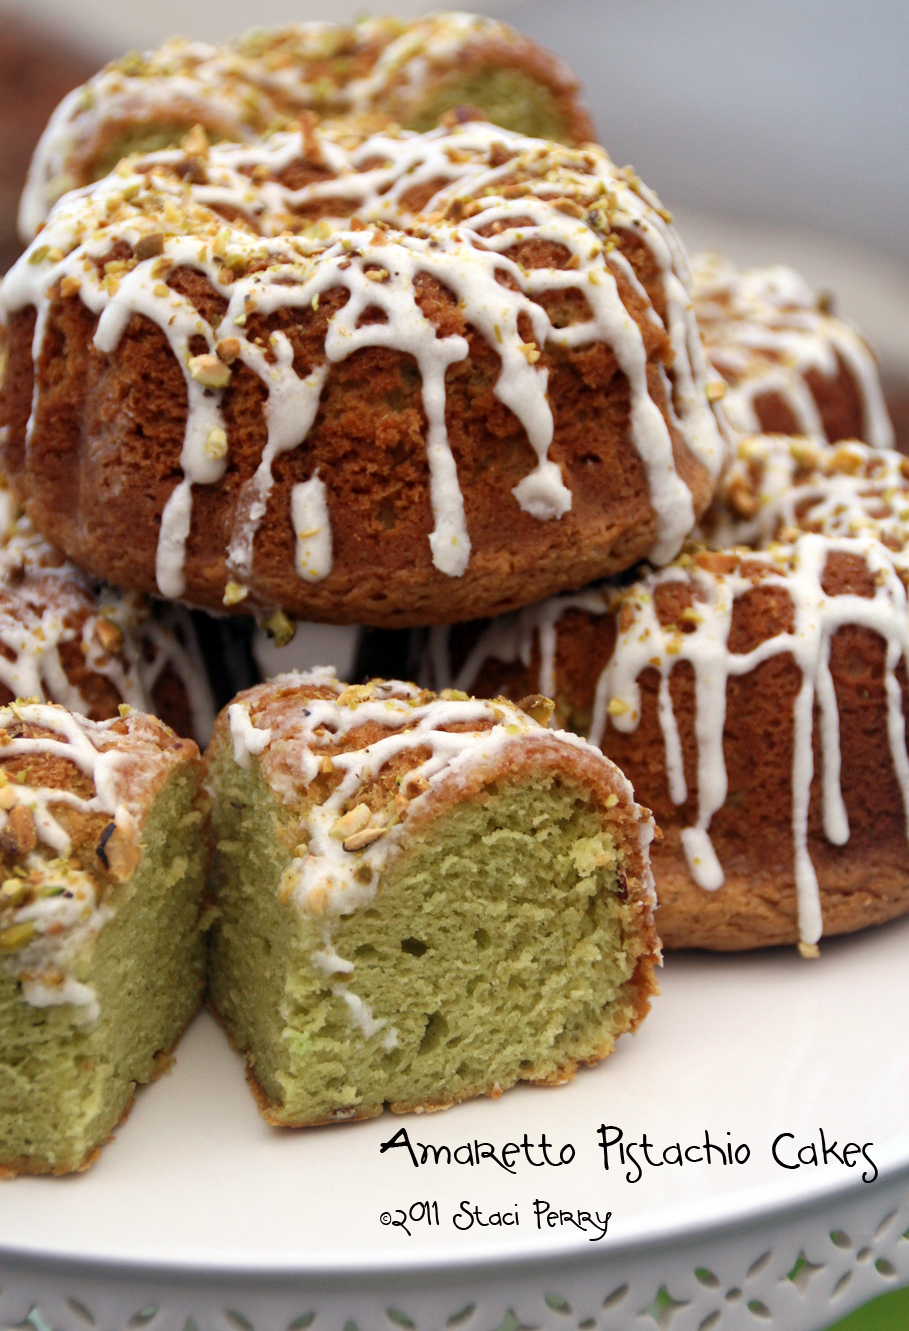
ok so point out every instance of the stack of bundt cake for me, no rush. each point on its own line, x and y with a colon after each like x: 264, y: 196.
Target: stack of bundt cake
x: 431, y: 362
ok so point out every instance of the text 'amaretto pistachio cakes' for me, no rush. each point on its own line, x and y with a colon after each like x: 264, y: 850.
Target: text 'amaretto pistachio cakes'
x: 419, y: 898
x: 101, y: 956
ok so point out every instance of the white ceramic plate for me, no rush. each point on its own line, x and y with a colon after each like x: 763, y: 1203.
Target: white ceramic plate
x: 744, y: 1047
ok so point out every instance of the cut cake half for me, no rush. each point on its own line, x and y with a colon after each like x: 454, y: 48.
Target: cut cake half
x: 419, y: 899
x: 101, y: 954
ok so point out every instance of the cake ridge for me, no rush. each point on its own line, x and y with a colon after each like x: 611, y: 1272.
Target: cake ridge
x: 816, y: 505
x: 494, y: 189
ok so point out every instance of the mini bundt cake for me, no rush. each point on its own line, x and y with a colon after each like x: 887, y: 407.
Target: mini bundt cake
x: 486, y: 388
x: 91, y: 648
x: 791, y: 365
x: 419, y: 899
x: 755, y: 698
x: 388, y: 69
x: 101, y: 955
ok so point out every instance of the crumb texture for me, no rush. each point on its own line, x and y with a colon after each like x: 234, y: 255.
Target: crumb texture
x: 508, y: 937
x: 101, y: 955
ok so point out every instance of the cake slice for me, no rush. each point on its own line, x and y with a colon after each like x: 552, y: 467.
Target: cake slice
x: 101, y: 954
x: 419, y: 898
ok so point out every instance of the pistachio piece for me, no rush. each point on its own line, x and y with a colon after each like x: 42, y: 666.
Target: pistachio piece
x: 350, y: 823
x: 364, y: 838
x: 228, y: 349
x: 109, y: 635
x: 149, y: 247
x: 209, y: 371
x: 118, y: 852
x: 354, y: 694
x: 216, y: 443
x: 539, y: 707
x: 195, y: 143
x: 13, y: 891
x: 234, y: 593
x: 19, y: 835
x: 280, y: 628
x: 16, y: 936
x: 741, y: 498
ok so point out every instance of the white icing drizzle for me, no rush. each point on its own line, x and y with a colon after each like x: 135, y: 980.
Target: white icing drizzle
x: 362, y: 1018
x: 47, y: 603
x: 59, y: 991
x: 332, y: 873
x: 240, y: 89
x: 312, y: 524
x: 289, y: 413
x: 485, y: 178
x: 857, y: 498
x: 247, y: 738
x: 764, y: 331
x: 41, y: 939
x: 777, y: 485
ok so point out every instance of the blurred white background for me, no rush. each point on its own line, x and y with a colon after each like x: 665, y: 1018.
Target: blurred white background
x: 775, y: 129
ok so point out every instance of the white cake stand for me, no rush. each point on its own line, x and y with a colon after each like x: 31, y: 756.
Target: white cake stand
x: 200, y: 1216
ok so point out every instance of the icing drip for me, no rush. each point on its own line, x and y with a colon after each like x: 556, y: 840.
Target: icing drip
x: 312, y: 524
x: 289, y: 413
x: 246, y: 737
x: 493, y: 190
x: 861, y: 491
x: 361, y: 1016
x: 765, y: 331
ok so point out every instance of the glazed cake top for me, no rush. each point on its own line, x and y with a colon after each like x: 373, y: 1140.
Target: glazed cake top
x: 451, y: 204
x: 365, y: 760
x: 261, y: 80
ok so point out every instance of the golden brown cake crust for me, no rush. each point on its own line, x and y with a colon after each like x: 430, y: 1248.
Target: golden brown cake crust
x: 426, y: 511
x: 719, y: 650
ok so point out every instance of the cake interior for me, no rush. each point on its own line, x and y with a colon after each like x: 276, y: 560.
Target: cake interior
x: 64, y: 1085
x: 498, y: 949
x: 510, y: 97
